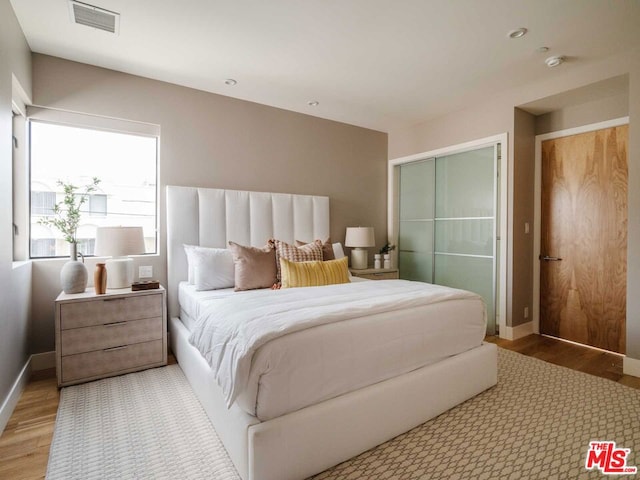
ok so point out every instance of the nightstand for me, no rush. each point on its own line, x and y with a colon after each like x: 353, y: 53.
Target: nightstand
x: 101, y: 336
x: 376, y: 273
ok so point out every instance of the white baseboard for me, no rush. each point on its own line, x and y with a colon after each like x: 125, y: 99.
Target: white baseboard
x: 43, y: 361
x: 14, y: 395
x: 37, y: 361
x: 631, y: 366
x: 519, y: 331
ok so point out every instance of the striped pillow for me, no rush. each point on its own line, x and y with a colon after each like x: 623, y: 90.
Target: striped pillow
x: 313, y: 274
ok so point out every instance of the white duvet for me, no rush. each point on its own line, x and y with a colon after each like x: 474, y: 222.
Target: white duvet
x: 231, y: 329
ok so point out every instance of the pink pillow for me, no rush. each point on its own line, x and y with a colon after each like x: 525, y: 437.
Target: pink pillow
x: 254, y: 267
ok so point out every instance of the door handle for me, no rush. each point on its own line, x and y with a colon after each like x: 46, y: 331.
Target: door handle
x: 547, y: 258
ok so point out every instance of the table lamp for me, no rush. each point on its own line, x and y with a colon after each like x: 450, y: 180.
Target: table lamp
x: 360, y: 238
x: 118, y: 243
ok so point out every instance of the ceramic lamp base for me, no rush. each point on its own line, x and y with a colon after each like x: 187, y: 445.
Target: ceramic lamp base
x: 359, y: 258
x: 119, y: 272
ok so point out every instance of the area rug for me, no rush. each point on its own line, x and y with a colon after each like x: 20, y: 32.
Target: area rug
x: 537, y: 423
x: 145, y: 425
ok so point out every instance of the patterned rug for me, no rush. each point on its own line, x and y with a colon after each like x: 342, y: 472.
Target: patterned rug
x: 535, y: 424
x: 145, y: 425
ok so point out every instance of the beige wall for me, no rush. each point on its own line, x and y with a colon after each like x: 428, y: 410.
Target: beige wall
x: 210, y: 140
x: 497, y: 115
x: 15, y: 283
x: 523, y: 190
x: 595, y: 111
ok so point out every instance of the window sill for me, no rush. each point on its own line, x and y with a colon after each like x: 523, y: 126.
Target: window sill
x: 88, y: 259
x: 16, y: 264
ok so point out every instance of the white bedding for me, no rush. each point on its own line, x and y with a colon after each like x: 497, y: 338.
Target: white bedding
x: 390, y: 333
x: 193, y: 302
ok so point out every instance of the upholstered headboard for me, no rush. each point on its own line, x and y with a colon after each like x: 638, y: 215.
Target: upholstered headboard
x: 211, y: 217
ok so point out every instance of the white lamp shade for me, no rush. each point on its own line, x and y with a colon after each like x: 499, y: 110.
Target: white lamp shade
x: 119, y: 241
x: 359, y: 237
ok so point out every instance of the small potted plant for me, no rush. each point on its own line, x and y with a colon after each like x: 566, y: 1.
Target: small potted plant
x: 66, y: 218
x: 384, y: 251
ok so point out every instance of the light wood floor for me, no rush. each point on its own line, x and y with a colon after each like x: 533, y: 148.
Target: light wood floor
x: 24, y: 445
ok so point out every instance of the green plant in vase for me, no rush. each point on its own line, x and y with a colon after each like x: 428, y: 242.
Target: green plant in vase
x: 387, y: 248
x: 67, y: 213
x: 386, y: 253
x: 66, y: 219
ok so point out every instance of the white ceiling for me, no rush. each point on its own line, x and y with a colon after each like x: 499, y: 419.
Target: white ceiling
x: 380, y: 64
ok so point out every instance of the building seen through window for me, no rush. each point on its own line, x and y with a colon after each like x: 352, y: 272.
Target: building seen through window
x: 126, y: 165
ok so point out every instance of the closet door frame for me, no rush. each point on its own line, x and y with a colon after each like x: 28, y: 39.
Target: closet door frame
x: 393, y: 203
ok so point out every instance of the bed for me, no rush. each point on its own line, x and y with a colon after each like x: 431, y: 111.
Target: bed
x: 373, y: 375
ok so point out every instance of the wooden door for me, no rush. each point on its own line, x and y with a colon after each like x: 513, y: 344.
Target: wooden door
x: 584, y: 223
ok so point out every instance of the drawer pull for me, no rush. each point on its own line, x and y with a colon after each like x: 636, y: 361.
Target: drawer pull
x: 114, y: 324
x: 121, y: 347
x: 113, y: 299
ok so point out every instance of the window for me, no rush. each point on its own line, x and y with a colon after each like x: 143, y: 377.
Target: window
x: 42, y: 203
x: 125, y: 164
x: 98, y: 205
x: 43, y: 247
x: 86, y: 246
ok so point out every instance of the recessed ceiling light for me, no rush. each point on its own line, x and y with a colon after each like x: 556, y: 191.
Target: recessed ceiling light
x: 313, y: 103
x: 554, y: 61
x: 519, y: 32
x: 230, y: 81
x: 542, y: 49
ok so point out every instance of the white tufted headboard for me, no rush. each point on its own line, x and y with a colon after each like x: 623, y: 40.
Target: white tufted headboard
x: 211, y: 217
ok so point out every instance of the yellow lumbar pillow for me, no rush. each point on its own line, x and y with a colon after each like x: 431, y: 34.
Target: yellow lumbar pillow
x: 313, y: 274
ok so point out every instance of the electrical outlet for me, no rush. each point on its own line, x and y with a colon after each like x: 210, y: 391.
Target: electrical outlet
x: 526, y: 312
x: 145, y: 272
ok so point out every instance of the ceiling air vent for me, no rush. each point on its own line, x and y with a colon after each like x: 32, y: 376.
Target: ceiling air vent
x: 95, y: 17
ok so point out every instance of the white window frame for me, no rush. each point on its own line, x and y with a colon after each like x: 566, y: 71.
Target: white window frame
x: 93, y: 122
x: 19, y: 172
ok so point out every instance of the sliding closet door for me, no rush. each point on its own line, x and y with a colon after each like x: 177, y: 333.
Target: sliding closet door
x: 415, y: 235
x: 465, y: 224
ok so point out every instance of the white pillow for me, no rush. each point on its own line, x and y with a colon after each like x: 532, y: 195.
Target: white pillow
x: 338, y: 252
x: 188, y: 250
x: 210, y: 268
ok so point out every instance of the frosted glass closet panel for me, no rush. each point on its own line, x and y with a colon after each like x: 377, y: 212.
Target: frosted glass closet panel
x: 465, y: 240
x: 415, y: 238
x: 465, y: 184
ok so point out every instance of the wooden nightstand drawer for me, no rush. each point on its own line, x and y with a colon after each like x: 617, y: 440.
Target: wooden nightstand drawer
x: 109, y: 310
x: 88, y: 339
x: 381, y: 276
x: 113, y: 361
x: 376, y: 273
